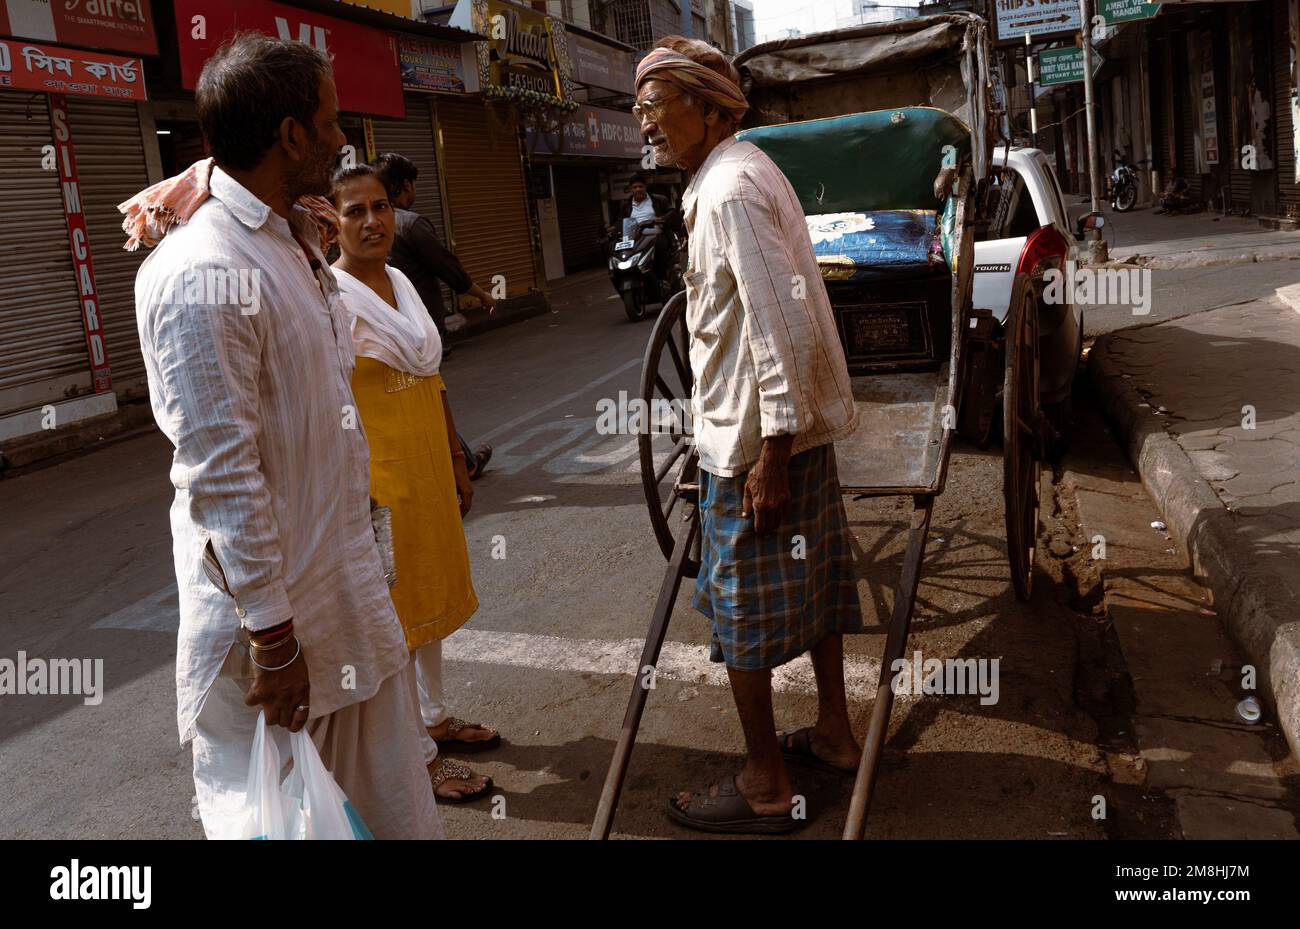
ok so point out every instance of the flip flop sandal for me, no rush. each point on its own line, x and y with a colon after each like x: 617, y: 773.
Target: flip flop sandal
x: 466, y: 746
x: 482, y: 455
x: 449, y: 768
x: 797, y: 747
x: 729, y: 811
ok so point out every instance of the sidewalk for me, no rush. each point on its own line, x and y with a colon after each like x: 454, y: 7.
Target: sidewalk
x: 135, y: 418
x: 1194, y: 240
x: 1181, y: 395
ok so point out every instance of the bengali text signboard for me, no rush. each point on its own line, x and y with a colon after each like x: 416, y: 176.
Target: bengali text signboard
x: 28, y: 66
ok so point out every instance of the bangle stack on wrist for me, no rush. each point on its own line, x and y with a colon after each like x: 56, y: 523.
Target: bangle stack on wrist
x: 296, y: 652
x: 275, y: 637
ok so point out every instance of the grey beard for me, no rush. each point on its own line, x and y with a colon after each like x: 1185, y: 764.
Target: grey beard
x: 665, y: 156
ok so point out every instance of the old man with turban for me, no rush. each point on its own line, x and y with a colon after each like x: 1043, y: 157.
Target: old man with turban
x: 772, y: 394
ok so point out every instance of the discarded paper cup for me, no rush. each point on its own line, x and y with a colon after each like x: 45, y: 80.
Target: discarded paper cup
x: 1249, y: 710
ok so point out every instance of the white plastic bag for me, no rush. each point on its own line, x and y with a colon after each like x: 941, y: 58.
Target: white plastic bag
x: 308, y: 805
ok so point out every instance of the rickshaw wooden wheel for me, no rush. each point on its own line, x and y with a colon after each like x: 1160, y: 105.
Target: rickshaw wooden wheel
x: 666, y: 391
x: 1022, y: 434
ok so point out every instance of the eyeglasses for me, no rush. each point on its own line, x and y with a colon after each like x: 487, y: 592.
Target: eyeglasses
x: 652, y: 108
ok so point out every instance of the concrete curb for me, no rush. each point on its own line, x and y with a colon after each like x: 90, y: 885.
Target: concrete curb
x: 1246, y: 599
x: 1193, y: 260
x: 1290, y: 295
x: 130, y: 419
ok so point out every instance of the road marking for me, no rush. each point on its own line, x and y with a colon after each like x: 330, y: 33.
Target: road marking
x: 506, y: 427
x: 677, y: 662
x: 158, y: 612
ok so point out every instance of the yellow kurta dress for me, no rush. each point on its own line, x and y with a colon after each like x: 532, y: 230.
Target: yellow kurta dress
x: 411, y: 473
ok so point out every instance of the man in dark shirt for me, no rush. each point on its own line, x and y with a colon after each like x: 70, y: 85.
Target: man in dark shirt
x: 419, y: 255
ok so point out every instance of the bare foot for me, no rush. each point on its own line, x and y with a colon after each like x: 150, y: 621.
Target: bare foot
x: 839, y: 749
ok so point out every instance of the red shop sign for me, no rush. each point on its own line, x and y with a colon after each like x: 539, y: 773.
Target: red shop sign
x: 121, y: 25
x: 365, y: 60
x: 79, y: 242
x: 28, y: 66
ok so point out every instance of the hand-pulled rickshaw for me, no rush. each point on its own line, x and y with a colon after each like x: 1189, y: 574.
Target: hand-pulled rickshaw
x: 886, y: 134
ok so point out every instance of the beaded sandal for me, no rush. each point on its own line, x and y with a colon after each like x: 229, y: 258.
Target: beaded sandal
x: 447, y: 769
x: 467, y: 746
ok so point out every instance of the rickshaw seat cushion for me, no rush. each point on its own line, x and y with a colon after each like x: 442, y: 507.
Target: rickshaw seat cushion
x: 865, y: 162
x: 860, y: 246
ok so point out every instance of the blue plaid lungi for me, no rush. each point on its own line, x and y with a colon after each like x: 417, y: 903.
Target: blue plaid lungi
x: 768, y: 606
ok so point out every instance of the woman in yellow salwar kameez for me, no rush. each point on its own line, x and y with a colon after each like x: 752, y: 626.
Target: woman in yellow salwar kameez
x: 417, y: 467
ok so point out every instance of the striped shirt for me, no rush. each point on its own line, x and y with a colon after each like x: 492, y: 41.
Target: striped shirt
x: 765, y: 352
x: 249, y: 357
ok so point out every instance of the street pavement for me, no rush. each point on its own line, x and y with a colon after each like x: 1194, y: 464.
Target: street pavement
x: 85, y: 570
x: 1209, y: 403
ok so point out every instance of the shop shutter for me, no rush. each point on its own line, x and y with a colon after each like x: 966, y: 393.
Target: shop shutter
x: 577, y: 191
x: 43, y: 355
x: 1190, y: 117
x: 1288, y: 190
x: 415, y: 138
x: 490, y: 229
x: 111, y: 165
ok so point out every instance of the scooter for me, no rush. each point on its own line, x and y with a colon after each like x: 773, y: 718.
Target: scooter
x: 1123, y: 185
x: 632, y: 267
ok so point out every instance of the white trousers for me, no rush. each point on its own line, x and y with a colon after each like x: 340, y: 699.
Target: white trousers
x: 372, y: 748
x: 428, y: 680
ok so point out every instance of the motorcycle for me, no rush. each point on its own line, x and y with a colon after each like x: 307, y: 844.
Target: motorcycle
x: 632, y: 270
x: 1123, y: 185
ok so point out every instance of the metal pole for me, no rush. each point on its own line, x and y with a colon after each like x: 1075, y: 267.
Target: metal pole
x: 654, y: 643
x: 1033, y: 109
x: 1097, y: 247
x: 873, y: 746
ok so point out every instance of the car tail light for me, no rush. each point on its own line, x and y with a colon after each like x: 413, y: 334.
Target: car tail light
x: 1045, y: 249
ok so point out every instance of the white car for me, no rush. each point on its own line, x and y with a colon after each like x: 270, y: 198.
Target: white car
x: 1029, y: 231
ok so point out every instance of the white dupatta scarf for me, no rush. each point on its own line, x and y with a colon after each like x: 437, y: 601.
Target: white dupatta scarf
x: 405, y: 339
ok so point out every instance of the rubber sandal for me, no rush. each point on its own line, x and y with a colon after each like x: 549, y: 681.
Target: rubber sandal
x: 729, y: 812
x: 449, y: 768
x: 481, y: 458
x: 466, y: 746
x: 796, y: 746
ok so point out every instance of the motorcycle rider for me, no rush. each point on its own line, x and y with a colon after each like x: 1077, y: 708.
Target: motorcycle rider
x: 643, y: 206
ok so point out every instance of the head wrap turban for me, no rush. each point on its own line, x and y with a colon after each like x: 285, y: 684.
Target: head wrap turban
x: 702, y: 82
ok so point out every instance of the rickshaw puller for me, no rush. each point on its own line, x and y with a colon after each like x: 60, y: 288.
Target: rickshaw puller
x: 772, y: 393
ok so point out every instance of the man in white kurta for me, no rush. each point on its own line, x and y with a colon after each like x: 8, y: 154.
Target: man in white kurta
x: 271, y: 471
